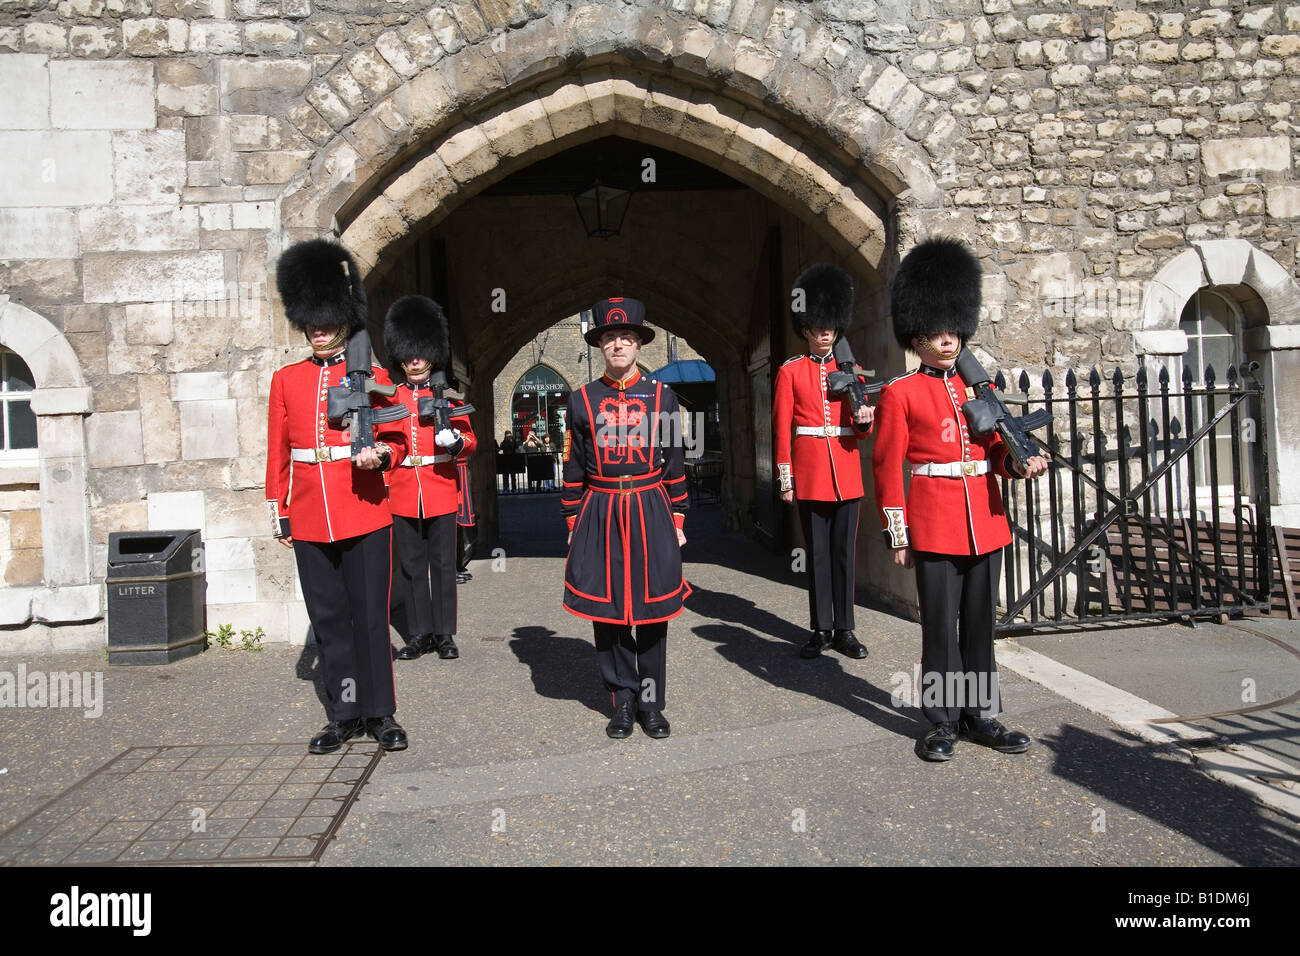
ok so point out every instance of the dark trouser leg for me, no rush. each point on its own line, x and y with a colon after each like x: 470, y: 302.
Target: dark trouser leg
x: 978, y: 613
x: 440, y: 537
x: 652, y: 665
x: 844, y: 543
x: 367, y: 570
x: 816, y: 537
x: 616, y: 655
x: 414, y: 560
x: 466, y: 535
x: 320, y: 572
x: 938, y: 586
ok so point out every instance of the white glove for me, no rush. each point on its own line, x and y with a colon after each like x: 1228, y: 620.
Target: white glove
x: 447, y: 438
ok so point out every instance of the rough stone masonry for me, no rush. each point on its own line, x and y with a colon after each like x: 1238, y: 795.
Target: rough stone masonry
x: 1107, y: 158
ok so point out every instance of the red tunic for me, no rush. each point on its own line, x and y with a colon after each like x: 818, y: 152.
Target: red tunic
x: 333, y: 500
x: 919, y: 420
x: 823, y: 468
x: 426, y: 490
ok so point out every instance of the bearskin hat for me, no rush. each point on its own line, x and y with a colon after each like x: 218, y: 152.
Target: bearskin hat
x: 320, y: 285
x: 827, y: 299
x: 416, y: 328
x: 937, y: 289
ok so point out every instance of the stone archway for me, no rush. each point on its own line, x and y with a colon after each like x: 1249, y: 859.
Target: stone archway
x: 61, y: 402
x: 1275, y: 345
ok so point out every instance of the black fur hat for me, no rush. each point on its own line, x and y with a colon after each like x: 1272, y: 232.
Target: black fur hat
x: 828, y: 299
x: 937, y: 289
x: 320, y: 285
x: 416, y: 328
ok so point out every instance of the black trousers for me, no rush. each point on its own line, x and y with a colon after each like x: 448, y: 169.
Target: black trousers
x: 830, y: 532
x: 426, y: 550
x: 958, y: 595
x: 634, y: 667
x: 346, y: 584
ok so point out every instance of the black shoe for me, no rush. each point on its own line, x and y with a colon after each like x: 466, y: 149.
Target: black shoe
x: 938, y: 742
x: 463, y: 576
x: 445, y: 647
x: 654, y: 723
x: 990, y: 733
x: 847, y: 644
x: 333, y: 735
x: 420, y: 644
x: 620, y: 726
x: 387, y: 731
x: 819, y: 641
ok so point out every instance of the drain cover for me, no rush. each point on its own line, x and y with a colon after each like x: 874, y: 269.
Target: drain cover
x: 227, y: 803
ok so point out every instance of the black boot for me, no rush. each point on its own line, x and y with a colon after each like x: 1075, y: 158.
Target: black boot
x: 333, y: 735
x: 847, y: 644
x: 445, y: 647
x: 420, y: 644
x: 620, y: 725
x: 938, y: 742
x: 819, y: 641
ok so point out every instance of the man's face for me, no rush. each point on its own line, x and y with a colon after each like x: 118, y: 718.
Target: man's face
x: 325, y: 339
x: 417, y: 370
x: 819, y: 339
x: 620, y: 347
x: 939, y: 350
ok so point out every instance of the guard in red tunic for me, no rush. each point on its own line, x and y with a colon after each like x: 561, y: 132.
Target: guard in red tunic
x: 951, y: 526
x: 423, y: 489
x: 817, y: 457
x: 624, y: 500
x: 330, y: 507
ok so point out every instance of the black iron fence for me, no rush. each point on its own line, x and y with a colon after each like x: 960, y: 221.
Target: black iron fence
x: 1156, y: 504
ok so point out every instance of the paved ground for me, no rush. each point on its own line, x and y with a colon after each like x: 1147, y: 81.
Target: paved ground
x: 772, y: 759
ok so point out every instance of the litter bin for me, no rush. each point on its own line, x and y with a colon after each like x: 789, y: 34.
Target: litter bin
x: 156, y: 596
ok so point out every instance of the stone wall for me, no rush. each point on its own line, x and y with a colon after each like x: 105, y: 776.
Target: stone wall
x: 156, y: 155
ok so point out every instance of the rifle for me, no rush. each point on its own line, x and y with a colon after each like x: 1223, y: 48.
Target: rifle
x: 350, y: 402
x: 987, y: 412
x: 436, y: 406
x: 845, y: 380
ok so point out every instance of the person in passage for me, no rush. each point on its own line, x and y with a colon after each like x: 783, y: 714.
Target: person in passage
x: 424, y: 489
x: 624, y: 500
x: 817, y: 460
x: 951, y: 526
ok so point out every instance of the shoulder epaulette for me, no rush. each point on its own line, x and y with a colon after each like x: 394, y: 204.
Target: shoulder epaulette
x: 793, y: 359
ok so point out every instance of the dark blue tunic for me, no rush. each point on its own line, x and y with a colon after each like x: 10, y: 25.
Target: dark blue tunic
x: 624, y: 495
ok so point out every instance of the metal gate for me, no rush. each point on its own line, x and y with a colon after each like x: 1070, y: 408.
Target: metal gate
x: 1156, y: 505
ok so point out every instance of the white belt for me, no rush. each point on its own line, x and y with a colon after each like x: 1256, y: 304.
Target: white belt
x: 952, y: 469
x: 415, y: 461
x: 315, y: 456
x: 823, y: 431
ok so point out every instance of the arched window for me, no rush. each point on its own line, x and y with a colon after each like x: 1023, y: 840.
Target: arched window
x: 538, y: 405
x: 17, y: 421
x: 1213, y: 324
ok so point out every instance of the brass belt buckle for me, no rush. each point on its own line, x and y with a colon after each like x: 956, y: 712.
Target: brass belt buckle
x: 322, y: 454
x: 829, y: 431
x: 968, y: 468
x: 624, y: 484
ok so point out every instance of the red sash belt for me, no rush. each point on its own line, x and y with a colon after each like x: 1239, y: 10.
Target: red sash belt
x: 624, y: 485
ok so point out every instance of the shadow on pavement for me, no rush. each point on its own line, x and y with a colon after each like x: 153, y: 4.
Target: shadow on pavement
x: 562, y: 668
x: 1172, y: 794
x: 308, y: 668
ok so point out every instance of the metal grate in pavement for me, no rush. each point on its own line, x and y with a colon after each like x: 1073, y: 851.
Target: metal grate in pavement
x: 200, y: 804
